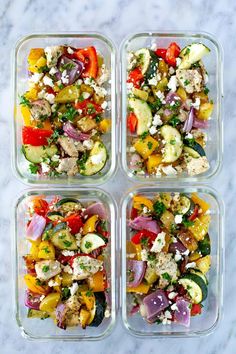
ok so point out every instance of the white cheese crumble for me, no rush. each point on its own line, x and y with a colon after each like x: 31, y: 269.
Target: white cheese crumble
x: 68, y: 253
x: 189, y: 136
x: 131, y: 60
x: 145, y: 210
x: 45, y: 167
x: 67, y: 269
x: 49, y: 97
x: 178, y: 61
x: 196, y: 104
x: 154, y: 46
x: 178, y: 219
x: 159, y: 242
x: 96, y: 159
x: 178, y: 257
x: 144, y: 255
x: 169, y: 170
x: 161, y: 96
x: 48, y: 81
x: 132, y: 149
x: 35, y: 78
x: 53, y: 70
x: 70, y: 50
x: 157, y: 120
x: 174, y: 307
x: 52, y: 283
x: 73, y: 288
x: 153, y: 130
x: 190, y: 265
x: 172, y: 295
x: 171, y: 70
x: 172, y: 84
x: 88, y: 144
x: 85, y: 95
x: 104, y: 105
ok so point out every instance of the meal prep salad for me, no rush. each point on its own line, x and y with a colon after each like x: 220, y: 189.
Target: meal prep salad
x: 65, y: 275
x: 64, y: 111
x: 168, y: 257
x: 168, y: 106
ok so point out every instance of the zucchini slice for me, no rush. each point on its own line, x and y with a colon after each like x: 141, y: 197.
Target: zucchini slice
x: 144, y: 59
x: 195, y: 287
x: 192, y: 54
x: 143, y: 113
x: 200, y: 274
x: 36, y: 154
x: 54, y: 215
x: 91, y: 242
x: 193, y: 148
x: 96, y: 160
x: 182, y: 206
x: 98, y: 311
x: 37, y: 314
x: 64, y: 240
x: 48, y: 231
x: 204, y: 246
x: 173, y: 143
x: 68, y: 204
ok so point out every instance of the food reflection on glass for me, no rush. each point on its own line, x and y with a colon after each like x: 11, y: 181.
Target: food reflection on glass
x: 168, y: 110
x: 168, y: 257
x: 64, y: 111
x: 65, y: 276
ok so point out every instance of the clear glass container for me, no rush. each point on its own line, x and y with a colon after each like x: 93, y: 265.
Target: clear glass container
x: 47, y: 329
x: 107, y: 49
x: 208, y: 320
x: 213, y: 63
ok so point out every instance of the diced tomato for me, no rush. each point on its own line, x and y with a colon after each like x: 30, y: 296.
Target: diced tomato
x: 90, y: 59
x: 50, y: 90
x: 74, y: 222
x: 194, y: 214
x: 132, y: 122
x: 196, y: 309
x: 134, y: 213
x: 172, y: 53
x: 135, y: 77
x: 40, y: 206
x: 143, y: 234
x: 161, y: 52
x: 35, y: 136
x: 89, y: 107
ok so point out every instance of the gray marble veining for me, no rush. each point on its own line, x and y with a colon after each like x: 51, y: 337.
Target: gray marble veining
x: 116, y: 19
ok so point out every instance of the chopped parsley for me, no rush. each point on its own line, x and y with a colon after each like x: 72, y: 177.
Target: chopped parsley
x: 82, y: 160
x: 98, y: 118
x: 159, y: 208
x: 155, y: 106
x: 43, y: 69
x: 174, y: 121
x: 65, y: 294
x: 70, y: 113
x: 67, y: 243
x: 186, y: 82
x: 172, y: 141
x: 187, y: 51
x: 39, y: 282
x: 187, y: 222
x: 104, y: 225
x: 45, y: 268
x: 166, y: 276
x: 150, y: 145
x: 144, y: 241
x: 88, y: 244
x: 67, y: 66
x: 151, y: 257
x: 34, y: 168
x: 60, y: 86
x: 206, y: 90
x: 90, y: 108
x: 46, y: 250
x: 89, y: 293
x: 24, y: 101
x: 174, y: 106
x: 143, y: 136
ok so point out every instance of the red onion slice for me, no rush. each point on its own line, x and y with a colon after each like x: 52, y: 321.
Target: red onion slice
x: 135, y: 162
x: 177, y: 246
x: 188, y: 124
x: 73, y: 133
x: 200, y: 124
x: 61, y: 315
x: 73, y: 69
x: 172, y: 97
x: 135, y: 272
x: 32, y: 300
x: 155, y: 303
x: 182, y: 315
x: 145, y: 222
x: 36, y: 227
x: 96, y: 209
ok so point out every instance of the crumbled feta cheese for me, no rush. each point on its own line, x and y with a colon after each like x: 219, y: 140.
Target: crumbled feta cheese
x: 53, y: 71
x: 178, y: 257
x: 132, y: 149
x: 80, y: 111
x: 157, y: 120
x: 196, y: 104
x: 186, y: 253
x: 190, y: 265
x: 178, y: 219
x: 174, y: 307
x: 168, y: 314
x: 171, y: 70
x: 42, y: 297
x: 104, y: 105
x: 178, y: 61
x: 45, y: 167
x: 49, y: 97
x: 152, y: 81
x: 172, y: 84
x: 172, y: 295
x: 67, y: 269
x: 85, y: 95
x: 64, y: 77
x: 145, y: 210
x: 161, y: 96
x: 52, y: 283
x: 189, y: 136
x: 104, y: 75
x: 107, y: 313
x: 88, y: 144
x: 131, y: 60
x: 73, y: 288
x: 100, y: 91
x: 97, y: 159
x: 79, y: 82
x: 154, y: 46
x: 55, y: 158
x: 159, y: 242
x: 35, y: 78
x: 169, y: 170
x: 144, y: 255
x: 176, y: 197
x: 153, y: 130
x: 70, y: 50
x: 48, y: 81
x: 41, y: 94
x: 205, y: 76
x: 68, y: 253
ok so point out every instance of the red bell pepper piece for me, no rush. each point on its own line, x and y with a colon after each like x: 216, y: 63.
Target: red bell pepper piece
x: 132, y: 122
x: 89, y: 107
x: 135, y: 77
x: 90, y: 59
x: 143, y: 234
x: 161, y: 52
x: 74, y: 222
x: 40, y: 206
x: 194, y: 214
x: 196, y: 309
x: 172, y: 53
x: 134, y: 213
x: 35, y: 136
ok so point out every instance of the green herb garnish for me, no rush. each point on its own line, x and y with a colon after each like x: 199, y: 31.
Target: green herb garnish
x: 166, y: 276
x: 33, y: 168
x: 45, y: 268
x: 159, y: 208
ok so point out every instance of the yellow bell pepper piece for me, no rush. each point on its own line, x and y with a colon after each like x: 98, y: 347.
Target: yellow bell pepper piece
x: 153, y: 162
x: 194, y: 256
x: 84, y: 317
x: 34, y: 55
x: 97, y: 282
x: 205, y: 110
x: 200, y: 227
x: 142, y: 288
x: 202, y: 203
x: 182, y: 93
x: 67, y: 279
x: 57, y: 279
x: 32, y: 94
x: 35, y: 68
x: 49, y: 303
x: 104, y: 126
x: 133, y: 249
x: 140, y: 201
x: 88, y: 299
x: 138, y: 252
x: 46, y: 250
x: 204, y: 264
x: 28, y: 122
x: 90, y: 225
x: 146, y: 146
x: 163, y: 67
x: 34, y: 251
x: 32, y: 284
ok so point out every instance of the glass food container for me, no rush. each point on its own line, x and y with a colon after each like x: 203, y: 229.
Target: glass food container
x: 107, y: 49
x: 213, y: 63
x: 47, y: 329
x: 207, y: 321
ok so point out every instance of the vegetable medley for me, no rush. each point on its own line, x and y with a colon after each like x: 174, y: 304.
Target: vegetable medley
x: 66, y: 279
x: 168, y: 257
x: 168, y: 106
x: 64, y: 111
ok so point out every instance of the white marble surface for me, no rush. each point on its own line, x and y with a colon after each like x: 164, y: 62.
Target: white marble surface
x: 116, y: 19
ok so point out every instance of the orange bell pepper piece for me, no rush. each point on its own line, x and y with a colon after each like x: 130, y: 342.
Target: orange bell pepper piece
x: 97, y: 282
x: 142, y: 288
x: 140, y: 201
x: 202, y: 203
x: 31, y: 283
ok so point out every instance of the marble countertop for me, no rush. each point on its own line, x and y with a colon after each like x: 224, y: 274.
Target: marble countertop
x: 116, y: 19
